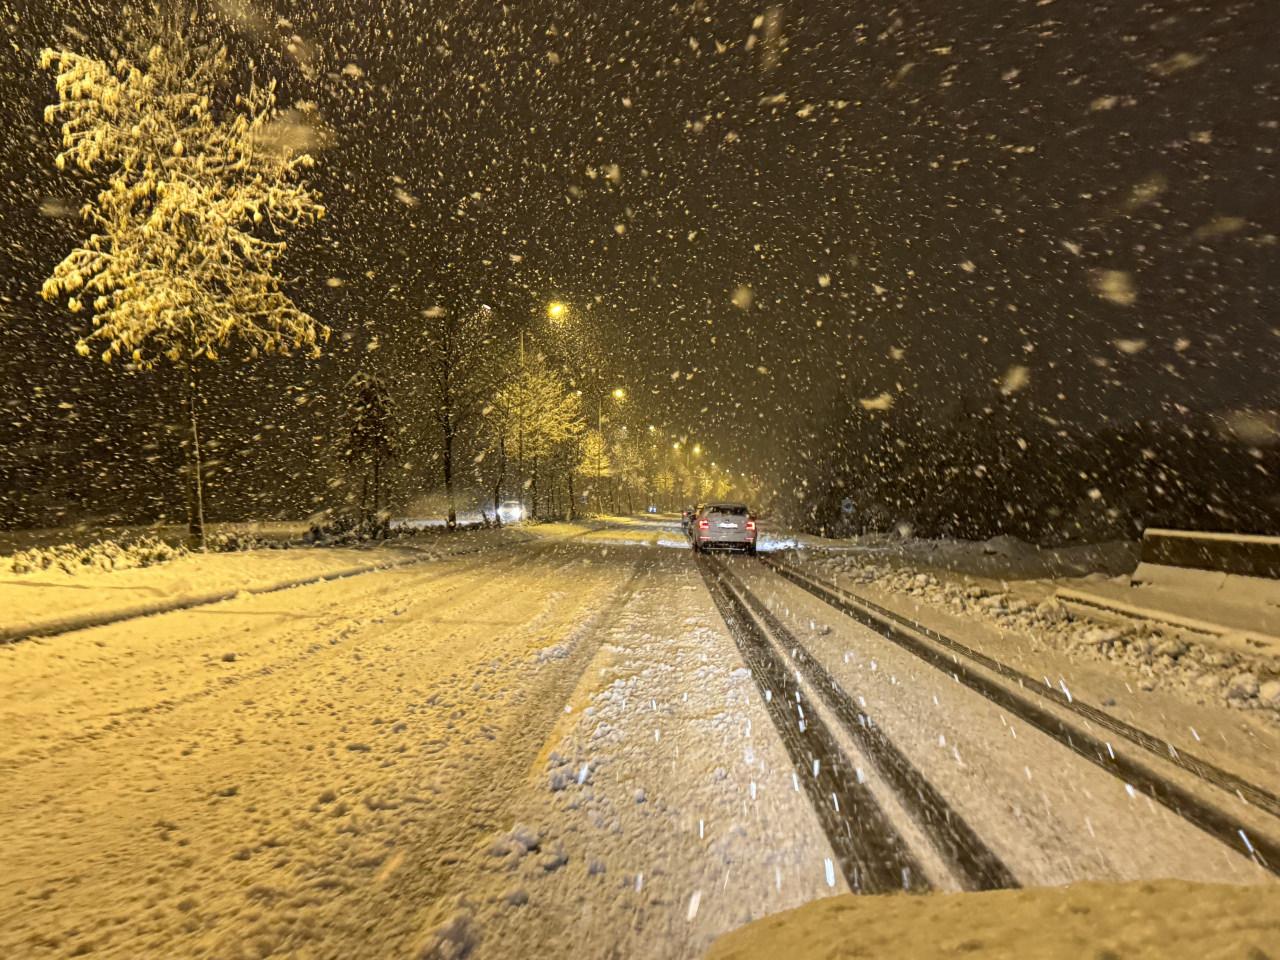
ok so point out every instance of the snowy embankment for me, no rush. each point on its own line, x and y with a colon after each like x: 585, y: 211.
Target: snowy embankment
x: 1000, y: 558
x: 55, y: 599
x: 1164, y: 920
x: 1015, y: 594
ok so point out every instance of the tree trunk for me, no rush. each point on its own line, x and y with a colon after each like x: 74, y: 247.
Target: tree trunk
x: 195, y: 464
x: 497, y: 484
x: 377, y: 488
x: 452, y: 519
x: 533, y: 489
x: 572, y: 504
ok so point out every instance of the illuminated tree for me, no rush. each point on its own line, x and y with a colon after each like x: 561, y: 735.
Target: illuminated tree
x: 535, y: 412
x: 595, y: 463
x: 187, y: 227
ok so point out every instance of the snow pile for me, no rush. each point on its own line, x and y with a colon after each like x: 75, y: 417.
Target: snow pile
x: 1164, y: 920
x: 74, y: 558
x: 1161, y: 655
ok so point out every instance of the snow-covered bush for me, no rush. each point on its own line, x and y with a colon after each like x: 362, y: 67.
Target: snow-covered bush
x: 102, y: 555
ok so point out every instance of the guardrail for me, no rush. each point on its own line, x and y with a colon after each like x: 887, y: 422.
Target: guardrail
x: 1247, y: 555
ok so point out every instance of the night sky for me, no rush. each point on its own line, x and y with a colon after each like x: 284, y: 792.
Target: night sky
x: 775, y: 222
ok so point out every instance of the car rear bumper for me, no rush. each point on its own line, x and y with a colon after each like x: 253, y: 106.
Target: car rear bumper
x: 735, y: 543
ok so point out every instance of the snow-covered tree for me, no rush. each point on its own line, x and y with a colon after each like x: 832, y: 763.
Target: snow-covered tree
x: 533, y: 414
x: 370, y: 440
x: 596, y: 464
x: 664, y: 482
x: 197, y: 190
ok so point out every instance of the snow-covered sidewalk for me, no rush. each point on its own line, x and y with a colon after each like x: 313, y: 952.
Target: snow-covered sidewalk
x: 52, y: 601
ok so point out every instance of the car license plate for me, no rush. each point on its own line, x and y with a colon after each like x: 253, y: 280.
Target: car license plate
x: 731, y: 526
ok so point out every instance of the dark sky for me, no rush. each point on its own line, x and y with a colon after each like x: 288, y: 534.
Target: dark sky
x: 765, y: 215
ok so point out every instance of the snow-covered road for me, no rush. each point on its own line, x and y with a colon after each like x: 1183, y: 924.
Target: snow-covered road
x: 552, y: 745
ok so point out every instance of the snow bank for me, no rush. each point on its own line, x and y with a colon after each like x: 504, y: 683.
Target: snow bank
x: 1001, y: 558
x: 1165, y: 920
x: 1162, y: 655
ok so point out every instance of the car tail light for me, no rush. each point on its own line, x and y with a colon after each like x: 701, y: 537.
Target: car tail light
x: 751, y: 524
x: 704, y: 524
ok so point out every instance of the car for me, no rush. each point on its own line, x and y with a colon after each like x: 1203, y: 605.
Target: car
x: 727, y: 526
x: 652, y: 508
x: 511, y: 511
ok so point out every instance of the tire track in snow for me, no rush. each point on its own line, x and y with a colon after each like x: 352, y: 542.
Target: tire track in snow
x: 905, y: 633
x: 974, y: 863
x: 872, y: 854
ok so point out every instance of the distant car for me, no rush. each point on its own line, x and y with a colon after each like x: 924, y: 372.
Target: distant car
x: 511, y: 511
x: 724, y: 526
x: 652, y: 508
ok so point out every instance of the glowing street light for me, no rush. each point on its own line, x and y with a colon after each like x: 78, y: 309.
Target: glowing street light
x: 556, y: 310
x: 619, y: 393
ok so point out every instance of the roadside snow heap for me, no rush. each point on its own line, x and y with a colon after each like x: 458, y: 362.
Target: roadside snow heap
x: 102, y: 555
x: 1159, y: 654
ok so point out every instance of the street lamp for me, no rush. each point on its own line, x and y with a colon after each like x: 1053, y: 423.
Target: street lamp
x: 556, y: 310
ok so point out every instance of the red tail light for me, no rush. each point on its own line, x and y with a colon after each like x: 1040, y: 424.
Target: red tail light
x: 751, y: 524
x: 704, y: 524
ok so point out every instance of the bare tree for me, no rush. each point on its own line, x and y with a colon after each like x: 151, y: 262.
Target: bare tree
x: 371, y: 441
x: 459, y: 371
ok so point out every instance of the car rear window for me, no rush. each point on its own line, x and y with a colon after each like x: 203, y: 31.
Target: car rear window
x: 728, y: 511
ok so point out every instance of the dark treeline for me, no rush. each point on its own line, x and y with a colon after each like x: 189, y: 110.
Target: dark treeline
x: 978, y: 475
